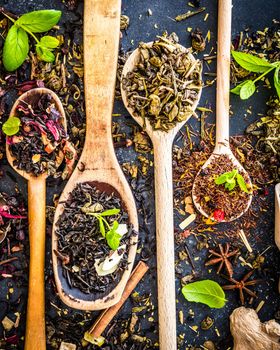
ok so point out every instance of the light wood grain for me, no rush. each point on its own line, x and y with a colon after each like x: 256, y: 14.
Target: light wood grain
x: 98, y: 163
x: 162, y: 143
x: 277, y: 215
x: 35, y: 338
x: 222, y: 98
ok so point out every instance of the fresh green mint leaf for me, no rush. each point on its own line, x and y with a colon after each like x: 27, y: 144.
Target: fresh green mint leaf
x: 11, y: 126
x: 230, y: 184
x: 221, y: 179
x: 250, y: 62
x: 237, y: 88
x: 49, y: 42
x: 247, y: 89
x: 241, y: 183
x: 39, y: 21
x: 110, y: 212
x: 206, y: 292
x: 15, y: 49
x: 113, y: 239
x: 277, y: 80
x: 45, y: 54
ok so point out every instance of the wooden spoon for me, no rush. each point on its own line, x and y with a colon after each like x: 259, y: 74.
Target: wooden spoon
x: 162, y: 142
x: 222, y: 98
x: 98, y: 163
x: 35, y: 337
x: 277, y: 220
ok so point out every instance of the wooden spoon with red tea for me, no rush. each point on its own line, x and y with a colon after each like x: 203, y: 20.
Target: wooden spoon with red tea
x: 162, y: 142
x: 222, y: 147
x: 98, y: 164
x: 35, y: 337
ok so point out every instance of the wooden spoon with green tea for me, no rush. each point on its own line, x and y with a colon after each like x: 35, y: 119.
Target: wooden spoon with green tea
x: 35, y: 337
x: 222, y: 107
x: 162, y: 142
x: 98, y: 164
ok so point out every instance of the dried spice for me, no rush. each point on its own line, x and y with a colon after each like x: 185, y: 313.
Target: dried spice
x: 243, y: 285
x: 38, y: 143
x: 222, y: 258
x: 213, y: 197
x: 81, y: 244
x: 165, y: 84
x: 198, y: 41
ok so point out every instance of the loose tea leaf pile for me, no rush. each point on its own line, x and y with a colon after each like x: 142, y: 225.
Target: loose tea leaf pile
x: 216, y: 200
x: 165, y: 83
x: 36, y: 136
x: 81, y: 241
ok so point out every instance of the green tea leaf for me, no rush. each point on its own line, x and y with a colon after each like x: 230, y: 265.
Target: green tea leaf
x: 241, y: 183
x: 247, y: 89
x: 110, y: 212
x: 11, y: 126
x: 15, y: 49
x: 237, y: 88
x: 39, y: 21
x: 49, y: 42
x: 113, y: 239
x: 250, y: 62
x: 101, y: 227
x: 206, y: 292
x: 277, y: 80
x: 45, y: 54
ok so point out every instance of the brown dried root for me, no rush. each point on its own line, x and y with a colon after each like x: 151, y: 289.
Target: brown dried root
x: 250, y: 334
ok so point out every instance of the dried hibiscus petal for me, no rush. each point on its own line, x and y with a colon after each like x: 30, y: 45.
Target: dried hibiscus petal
x: 219, y: 215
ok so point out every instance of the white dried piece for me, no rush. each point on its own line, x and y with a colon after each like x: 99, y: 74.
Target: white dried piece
x: 187, y: 221
x: 67, y: 346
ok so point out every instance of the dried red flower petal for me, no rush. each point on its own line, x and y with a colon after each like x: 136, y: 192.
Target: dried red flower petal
x: 219, y: 215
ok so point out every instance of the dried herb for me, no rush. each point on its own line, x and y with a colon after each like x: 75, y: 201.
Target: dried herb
x: 40, y: 137
x: 16, y: 45
x: 189, y: 14
x: 257, y: 65
x: 206, y: 292
x: 165, y: 83
x: 216, y: 200
x: 81, y: 239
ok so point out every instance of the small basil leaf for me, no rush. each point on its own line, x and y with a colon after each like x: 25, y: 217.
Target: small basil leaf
x: 11, y: 126
x: 241, y: 183
x: 247, y: 90
x: 113, y: 239
x: 39, y: 21
x: 206, y: 292
x: 44, y: 54
x: 15, y: 49
x: 250, y: 62
x: 237, y: 88
x: 115, y: 225
x: 49, y: 41
x: 277, y: 80
x: 101, y: 227
x: 110, y: 212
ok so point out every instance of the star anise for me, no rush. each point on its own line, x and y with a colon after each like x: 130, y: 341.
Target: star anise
x: 222, y: 257
x: 242, y: 285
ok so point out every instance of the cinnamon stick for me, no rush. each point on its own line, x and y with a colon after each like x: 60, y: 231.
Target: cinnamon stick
x: 108, y: 314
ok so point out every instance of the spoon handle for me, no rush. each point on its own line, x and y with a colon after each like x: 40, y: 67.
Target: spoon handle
x: 277, y: 215
x: 35, y: 338
x: 223, y: 73
x: 165, y: 242
x: 101, y: 42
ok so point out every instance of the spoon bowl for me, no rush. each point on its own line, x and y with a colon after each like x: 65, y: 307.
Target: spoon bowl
x: 222, y: 146
x: 35, y: 337
x: 98, y: 164
x: 162, y: 144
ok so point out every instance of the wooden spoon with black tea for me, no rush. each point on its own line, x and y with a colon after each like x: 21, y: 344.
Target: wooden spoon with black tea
x: 35, y: 337
x: 98, y: 164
